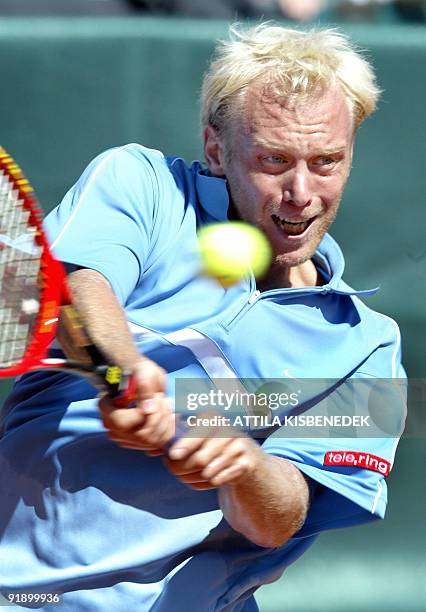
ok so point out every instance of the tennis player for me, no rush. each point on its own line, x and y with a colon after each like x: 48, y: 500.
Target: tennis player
x: 102, y: 505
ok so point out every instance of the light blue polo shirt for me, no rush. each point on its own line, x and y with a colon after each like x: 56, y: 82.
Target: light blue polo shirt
x: 110, y: 527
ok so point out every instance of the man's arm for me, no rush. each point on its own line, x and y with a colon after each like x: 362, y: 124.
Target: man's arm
x: 264, y: 497
x: 270, y: 505
x: 103, y: 317
x: 150, y: 424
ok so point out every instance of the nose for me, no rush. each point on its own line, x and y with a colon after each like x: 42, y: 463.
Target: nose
x: 297, y: 190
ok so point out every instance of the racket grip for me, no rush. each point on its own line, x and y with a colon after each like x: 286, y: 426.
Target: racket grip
x: 126, y: 398
x: 126, y: 395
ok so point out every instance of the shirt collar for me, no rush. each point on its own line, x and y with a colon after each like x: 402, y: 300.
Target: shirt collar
x: 331, y: 263
x: 329, y: 259
x: 212, y: 193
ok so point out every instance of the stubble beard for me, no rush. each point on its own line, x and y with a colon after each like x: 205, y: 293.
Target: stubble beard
x: 287, y: 259
x: 291, y: 260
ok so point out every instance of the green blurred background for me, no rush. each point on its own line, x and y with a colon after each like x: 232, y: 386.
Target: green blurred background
x: 72, y: 87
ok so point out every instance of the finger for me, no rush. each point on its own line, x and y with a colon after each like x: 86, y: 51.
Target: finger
x: 201, y: 486
x: 130, y: 420
x: 226, y: 457
x: 202, y: 456
x: 196, y: 462
x: 149, y: 452
x: 155, y: 452
x: 129, y: 446
x: 120, y: 419
x: 177, y: 468
x: 153, y: 436
x: 184, y: 447
x: 191, y: 478
x: 196, y: 481
x: 158, y: 403
x: 229, y: 475
x: 149, y: 378
x: 130, y: 442
x: 187, y: 445
x: 157, y: 431
x: 158, y: 412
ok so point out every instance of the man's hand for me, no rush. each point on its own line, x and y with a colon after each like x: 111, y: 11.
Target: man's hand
x: 263, y: 497
x: 213, y: 457
x: 150, y: 424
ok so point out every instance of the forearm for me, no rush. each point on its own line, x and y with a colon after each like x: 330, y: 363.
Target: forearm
x: 147, y: 425
x: 270, y: 505
x: 103, y: 317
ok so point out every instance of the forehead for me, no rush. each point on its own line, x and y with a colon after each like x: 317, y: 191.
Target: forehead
x: 322, y: 117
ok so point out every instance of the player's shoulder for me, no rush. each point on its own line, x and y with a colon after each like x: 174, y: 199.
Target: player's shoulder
x: 368, y: 313
x: 330, y: 259
x: 376, y: 323
x: 125, y: 160
x: 132, y: 167
x: 129, y: 157
x: 377, y: 333
x: 137, y: 161
x: 369, y: 316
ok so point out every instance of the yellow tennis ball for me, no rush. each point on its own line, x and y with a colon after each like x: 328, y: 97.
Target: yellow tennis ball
x: 230, y: 250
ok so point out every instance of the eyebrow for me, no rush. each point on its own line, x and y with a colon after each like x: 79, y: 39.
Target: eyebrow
x: 277, y: 146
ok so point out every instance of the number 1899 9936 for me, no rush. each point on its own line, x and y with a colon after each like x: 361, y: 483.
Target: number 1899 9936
x: 28, y: 597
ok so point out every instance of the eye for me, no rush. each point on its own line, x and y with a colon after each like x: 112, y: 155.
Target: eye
x: 325, y: 161
x: 275, y: 159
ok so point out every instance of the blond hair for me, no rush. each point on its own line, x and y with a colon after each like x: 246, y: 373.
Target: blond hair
x: 291, y: 63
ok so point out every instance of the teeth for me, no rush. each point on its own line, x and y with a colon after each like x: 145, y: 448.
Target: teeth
x: 290, y: 227
x: 284, y: 221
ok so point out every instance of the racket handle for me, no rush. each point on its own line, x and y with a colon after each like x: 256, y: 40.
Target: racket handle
x: 125, y: 396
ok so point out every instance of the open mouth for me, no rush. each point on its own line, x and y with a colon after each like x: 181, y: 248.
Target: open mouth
x: 292, y: 228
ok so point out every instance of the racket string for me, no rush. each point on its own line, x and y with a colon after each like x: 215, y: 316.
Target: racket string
x: 20, y: 257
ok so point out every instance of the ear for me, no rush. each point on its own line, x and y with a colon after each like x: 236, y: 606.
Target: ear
x: 351, y: 154
x: 213, y: 151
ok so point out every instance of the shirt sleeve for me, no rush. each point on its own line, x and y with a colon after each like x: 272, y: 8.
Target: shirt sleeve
x: 347, y: 474
x: 105, y: 222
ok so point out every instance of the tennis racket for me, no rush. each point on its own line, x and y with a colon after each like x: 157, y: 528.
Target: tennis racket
x: 34, y: 295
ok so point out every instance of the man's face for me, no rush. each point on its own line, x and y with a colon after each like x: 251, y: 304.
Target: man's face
x: 286, y: 167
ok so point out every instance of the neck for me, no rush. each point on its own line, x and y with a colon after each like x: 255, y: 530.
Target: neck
x: 303, y: 275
